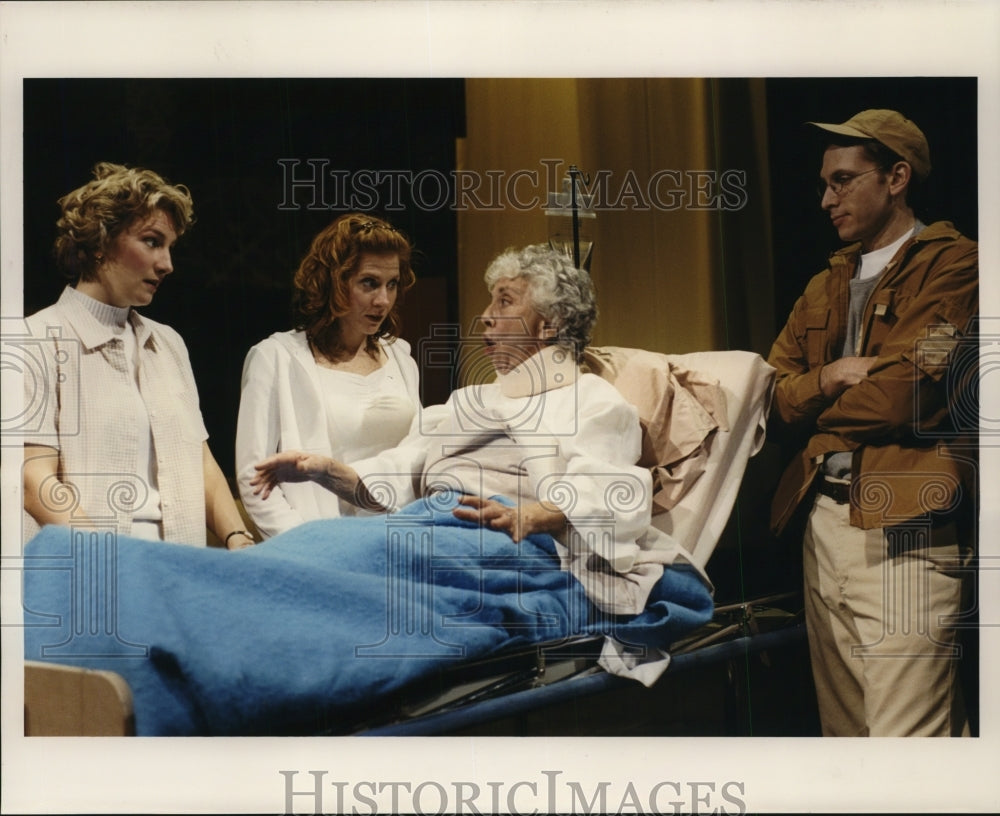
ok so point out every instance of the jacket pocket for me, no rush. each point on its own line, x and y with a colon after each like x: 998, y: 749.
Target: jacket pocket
x: 881, y: 315
x: 817, y: 326
x: 934, y: 351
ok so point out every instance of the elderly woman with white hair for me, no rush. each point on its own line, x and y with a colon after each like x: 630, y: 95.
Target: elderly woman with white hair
x: 545, y: 448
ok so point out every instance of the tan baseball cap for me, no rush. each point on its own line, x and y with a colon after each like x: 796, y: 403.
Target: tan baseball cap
x: 893, y: 130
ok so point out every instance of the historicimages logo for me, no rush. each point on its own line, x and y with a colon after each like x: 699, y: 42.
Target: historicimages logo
x: 32, y: 366
x: 548, y: 793
x: 312, y: 184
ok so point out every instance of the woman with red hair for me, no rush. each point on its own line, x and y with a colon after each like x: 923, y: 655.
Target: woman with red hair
x: 341, y: 383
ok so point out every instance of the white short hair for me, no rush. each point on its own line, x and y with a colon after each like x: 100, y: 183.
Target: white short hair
x: 560, y: 292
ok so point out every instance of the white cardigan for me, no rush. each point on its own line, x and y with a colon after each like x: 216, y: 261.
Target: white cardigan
x: 282, y: 408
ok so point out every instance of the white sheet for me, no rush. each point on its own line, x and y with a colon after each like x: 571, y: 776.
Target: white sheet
x: 748, y: 382
x: 700, y: 517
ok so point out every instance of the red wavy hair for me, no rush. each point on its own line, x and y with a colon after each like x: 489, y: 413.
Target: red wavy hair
x: 321, y: 294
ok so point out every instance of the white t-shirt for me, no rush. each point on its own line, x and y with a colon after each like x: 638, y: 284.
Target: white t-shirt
x: 872, y: 263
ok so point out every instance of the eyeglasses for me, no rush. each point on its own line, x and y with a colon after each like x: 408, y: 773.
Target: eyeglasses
x: 841, y: 183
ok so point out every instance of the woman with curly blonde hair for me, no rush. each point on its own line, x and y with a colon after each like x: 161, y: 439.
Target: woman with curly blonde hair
x: 341, y: 383
x: 118, y: 439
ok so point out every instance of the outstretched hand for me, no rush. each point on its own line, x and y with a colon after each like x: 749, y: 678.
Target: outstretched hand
x: 518, y: 522
x: 288, y: 466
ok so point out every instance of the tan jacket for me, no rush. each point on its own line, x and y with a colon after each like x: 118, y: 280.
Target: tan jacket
x: 909, y: 424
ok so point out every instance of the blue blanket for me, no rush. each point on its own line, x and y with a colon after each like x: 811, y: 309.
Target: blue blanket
x: 306, y: 631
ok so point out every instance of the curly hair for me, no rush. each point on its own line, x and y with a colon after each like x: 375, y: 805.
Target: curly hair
x: 562, y: 294
x: 94, y: 215
x: 321, y: 286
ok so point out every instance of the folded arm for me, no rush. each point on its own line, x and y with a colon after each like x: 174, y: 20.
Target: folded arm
x: 904, y: 384
x: 908, y: 389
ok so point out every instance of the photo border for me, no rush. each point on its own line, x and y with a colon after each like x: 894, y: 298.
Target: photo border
x: 481, y: 39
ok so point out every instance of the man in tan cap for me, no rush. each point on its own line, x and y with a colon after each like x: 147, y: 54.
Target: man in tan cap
x: 868, y: 389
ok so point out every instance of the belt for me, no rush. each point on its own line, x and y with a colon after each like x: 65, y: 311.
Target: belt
x: 840, y: 492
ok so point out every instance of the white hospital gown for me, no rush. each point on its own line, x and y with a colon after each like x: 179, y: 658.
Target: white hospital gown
x: 563, y: 437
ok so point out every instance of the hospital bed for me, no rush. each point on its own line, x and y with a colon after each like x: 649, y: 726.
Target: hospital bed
x: 68, y: 694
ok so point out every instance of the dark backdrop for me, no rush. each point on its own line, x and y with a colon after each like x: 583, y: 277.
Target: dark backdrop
x: 943, y: 107
x: 224, y: 138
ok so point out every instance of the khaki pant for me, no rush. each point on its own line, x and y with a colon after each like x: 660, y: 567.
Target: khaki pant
x: 878, y: 606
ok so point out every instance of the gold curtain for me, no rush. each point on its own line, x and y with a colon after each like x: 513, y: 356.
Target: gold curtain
x: 682, y: 258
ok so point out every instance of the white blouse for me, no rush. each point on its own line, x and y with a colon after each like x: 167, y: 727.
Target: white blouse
x: 287, y: 402
x: 363, y: 411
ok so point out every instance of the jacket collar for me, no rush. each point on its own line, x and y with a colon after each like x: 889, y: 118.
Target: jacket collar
x: 846, y: 258
x: 938, y: 231
x: 296, y: 343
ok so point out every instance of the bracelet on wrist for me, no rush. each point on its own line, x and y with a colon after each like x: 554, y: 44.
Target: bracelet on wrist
x: 237, y: 532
